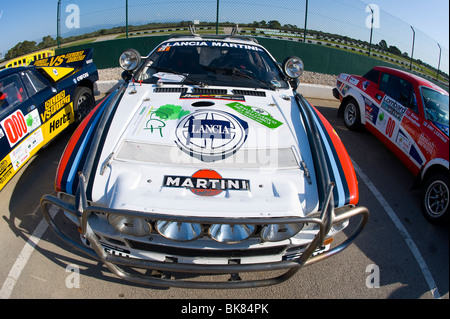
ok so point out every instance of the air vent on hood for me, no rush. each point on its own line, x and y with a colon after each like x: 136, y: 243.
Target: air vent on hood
x: 170, y: 90
x: 249, y: 92
x: 208, y: 91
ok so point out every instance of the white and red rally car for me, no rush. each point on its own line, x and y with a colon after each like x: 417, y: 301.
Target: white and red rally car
x: 411, y: 116
x: 206, y: 161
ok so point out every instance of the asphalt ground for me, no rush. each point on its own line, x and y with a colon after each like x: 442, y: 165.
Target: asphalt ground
x: 399, y: 255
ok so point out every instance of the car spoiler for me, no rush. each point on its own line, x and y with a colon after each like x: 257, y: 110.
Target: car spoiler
x: 60, y: 66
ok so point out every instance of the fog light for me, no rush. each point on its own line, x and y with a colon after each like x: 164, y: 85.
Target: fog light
x: 293, y: 67
x: 130, y: 225
x: 278, y: 232
x: 229, y: 234
x: 130, y: 60
x: 178, y: 231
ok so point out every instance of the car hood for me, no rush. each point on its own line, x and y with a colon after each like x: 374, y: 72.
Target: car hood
x: 209, y: 152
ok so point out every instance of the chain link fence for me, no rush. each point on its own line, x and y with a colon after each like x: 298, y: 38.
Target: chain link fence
x: 345, y: 24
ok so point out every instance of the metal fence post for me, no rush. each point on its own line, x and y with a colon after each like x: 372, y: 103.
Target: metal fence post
x: 217, y: 18
x: 126, y: 17
x: 306, y: 21
x: 439, y: 63
x: 58, y: 23
x: 371, y: 29
x: 412, y: 51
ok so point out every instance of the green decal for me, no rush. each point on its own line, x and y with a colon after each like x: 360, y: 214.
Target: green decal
x: 256, y: 114
x: 171, y: 112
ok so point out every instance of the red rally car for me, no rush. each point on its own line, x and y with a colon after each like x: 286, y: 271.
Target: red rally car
x: 410, y: 115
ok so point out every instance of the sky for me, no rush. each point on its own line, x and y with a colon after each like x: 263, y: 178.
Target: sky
x: 31, y: 20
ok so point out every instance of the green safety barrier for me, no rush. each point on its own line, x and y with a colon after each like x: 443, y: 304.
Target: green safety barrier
x: 316, y: 58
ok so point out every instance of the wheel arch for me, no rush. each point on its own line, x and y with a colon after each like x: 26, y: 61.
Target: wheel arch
x: 353, y: 94
x: 435, y: 166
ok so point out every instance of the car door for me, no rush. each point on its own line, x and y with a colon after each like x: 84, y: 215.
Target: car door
x: 397, y: 119
x: 18, y: 118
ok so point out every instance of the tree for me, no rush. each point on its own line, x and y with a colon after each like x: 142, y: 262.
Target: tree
x: 394, y: 50
x: 274, y: 24
x: 383, y: 45
x: 21, y: 48
x: 47, y: 42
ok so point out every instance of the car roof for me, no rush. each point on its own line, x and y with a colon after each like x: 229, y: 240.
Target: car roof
x: 414, y: 79
x: 225, y: 38
x: 8, y: 71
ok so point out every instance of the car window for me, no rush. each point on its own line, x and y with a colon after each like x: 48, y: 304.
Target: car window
x: 436, y: 106
x: 225, y: 64
x: 399, y: 89
x: 372, y: 75
x: 11, y: 92
x: 32, y: 82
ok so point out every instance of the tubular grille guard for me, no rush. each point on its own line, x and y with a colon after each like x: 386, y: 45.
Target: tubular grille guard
x: 81, y: 210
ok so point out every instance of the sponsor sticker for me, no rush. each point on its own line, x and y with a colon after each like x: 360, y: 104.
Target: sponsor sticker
x: 211, y: 135
x: 206, y: 182
x: 227, y: 97
x: 257, y: 114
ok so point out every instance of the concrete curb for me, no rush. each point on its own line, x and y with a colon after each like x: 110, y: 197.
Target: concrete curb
x: 314, y: 91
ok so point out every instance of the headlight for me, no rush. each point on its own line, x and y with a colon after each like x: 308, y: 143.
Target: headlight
x: 129, y: 60
x: 130, y: 225
x: 279, y: 232
x: 293, y: 67
x: 178, y: 231
x: 229, y: 234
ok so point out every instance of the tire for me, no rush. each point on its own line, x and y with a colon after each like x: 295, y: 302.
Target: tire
x: 435, y: 198
x: 352, y: 115
x: 83, y: 102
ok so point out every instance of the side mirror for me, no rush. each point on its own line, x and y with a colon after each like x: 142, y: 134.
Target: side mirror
x: 129, y: 60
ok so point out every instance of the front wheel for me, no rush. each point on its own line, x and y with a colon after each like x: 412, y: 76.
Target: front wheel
x: 84, y: 102
x: 352, y: 115
x: 435, y: 198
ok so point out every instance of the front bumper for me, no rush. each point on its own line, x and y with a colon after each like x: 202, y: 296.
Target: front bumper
x: 117, y: 264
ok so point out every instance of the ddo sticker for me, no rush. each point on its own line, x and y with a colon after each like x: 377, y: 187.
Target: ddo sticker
x: 15, y: 127
x: 211, y: 135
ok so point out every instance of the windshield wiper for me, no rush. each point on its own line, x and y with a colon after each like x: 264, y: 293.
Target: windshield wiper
x: 236, y: 71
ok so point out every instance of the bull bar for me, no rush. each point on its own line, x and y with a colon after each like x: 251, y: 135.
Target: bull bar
x: 82, y: 210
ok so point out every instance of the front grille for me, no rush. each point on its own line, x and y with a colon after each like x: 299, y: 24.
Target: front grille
x: 190, y: 252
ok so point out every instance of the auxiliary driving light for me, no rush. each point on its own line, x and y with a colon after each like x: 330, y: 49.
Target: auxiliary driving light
x: 129, y: 60
x: 278, y: 232
x: 293, y: 67
x: 130, y: 225
x: 178, y: 231
x: 229, y: 234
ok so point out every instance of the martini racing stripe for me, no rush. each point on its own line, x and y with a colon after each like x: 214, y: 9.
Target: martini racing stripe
x: 345, y: 191
x: 73, y: 160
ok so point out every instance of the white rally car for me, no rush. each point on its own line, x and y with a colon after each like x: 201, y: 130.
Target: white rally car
x: 205, y: 162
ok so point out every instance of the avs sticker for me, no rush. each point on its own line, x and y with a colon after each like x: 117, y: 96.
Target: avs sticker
x: 211, y: 135
x: 206, y: 182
